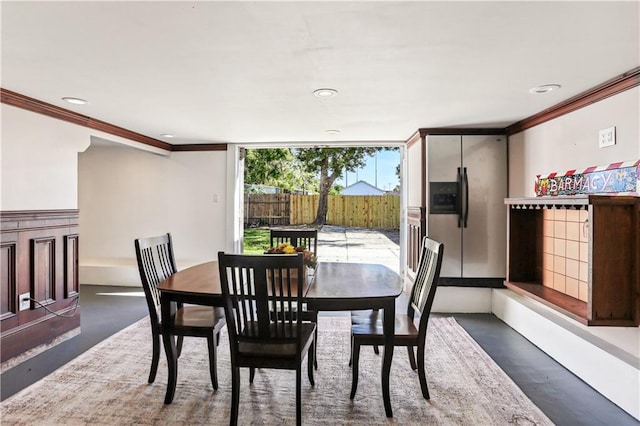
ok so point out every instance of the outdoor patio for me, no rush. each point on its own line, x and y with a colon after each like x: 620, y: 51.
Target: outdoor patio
x: 340, y: 244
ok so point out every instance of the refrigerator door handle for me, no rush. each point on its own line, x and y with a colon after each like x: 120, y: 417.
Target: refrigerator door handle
x: 466, y: 197
x: 459, y: 198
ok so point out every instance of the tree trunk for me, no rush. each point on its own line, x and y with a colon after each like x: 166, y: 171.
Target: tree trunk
x: 323, y: 206
x: 326, y: 182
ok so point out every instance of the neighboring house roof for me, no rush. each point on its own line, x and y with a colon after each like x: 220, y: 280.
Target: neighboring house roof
x: 362, y: 188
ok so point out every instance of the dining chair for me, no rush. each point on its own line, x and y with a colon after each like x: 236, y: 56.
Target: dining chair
x: 251, y: 285
x: 307, y: 238
x: 368, y: 330
x: 156, y: 263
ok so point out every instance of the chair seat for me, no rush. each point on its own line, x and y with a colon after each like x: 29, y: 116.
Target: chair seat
x: 273, y: 348
x: 199, y: 317
x: 371, y: 326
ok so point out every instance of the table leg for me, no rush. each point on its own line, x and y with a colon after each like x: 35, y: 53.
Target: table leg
x: 169, y: 350
x: 389, y: 333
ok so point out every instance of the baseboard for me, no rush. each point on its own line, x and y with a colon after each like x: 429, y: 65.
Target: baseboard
x: 611, y: 369
x: 462, y: 300
x: 116, y: 275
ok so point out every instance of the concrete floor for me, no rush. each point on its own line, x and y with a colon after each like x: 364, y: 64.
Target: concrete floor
x: 359, y: 245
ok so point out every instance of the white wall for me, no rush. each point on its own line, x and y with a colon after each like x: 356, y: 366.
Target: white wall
x: 39, y: 161
x: 125, y: 193
x: 571, y: 141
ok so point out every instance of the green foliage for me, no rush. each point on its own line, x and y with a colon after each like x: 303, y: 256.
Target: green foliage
x: 265, y: 166
x: 255, y: 240
x: 277, y: 167
x: 336, y: 189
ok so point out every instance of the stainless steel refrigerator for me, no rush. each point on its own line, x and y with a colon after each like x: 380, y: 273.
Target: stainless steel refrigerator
x: 467, y: 184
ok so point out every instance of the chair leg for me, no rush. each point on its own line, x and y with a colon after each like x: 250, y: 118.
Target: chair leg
x: 315, y: 346
x: 235, y: 395
x: 213, y: 370
x: 421, y: 373
x: 310, y: 363
x: 351, y: 354
x: 376, y: 350
x: 252, y: 374
x: 299, y: 394
x: 412, y: 358
x: 155, y: 357
x: 179, y: 345
x: 356, y: 362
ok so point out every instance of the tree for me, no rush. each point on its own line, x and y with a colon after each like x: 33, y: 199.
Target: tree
x: 276, y: 167
x: 263, y: 166
x: 329, y: 163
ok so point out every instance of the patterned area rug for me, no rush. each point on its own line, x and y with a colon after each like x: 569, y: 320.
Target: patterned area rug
x: 107, y: 385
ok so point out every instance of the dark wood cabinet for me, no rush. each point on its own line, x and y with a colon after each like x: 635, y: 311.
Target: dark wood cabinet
x: 579, y: 255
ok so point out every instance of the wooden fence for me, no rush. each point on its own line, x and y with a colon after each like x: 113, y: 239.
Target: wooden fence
x: 364, y: 211
x: 266, y: 209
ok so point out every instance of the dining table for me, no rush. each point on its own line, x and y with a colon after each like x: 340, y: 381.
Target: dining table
x: 334, y: 286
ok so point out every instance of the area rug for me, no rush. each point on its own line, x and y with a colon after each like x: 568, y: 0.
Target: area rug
x: 107, y: 385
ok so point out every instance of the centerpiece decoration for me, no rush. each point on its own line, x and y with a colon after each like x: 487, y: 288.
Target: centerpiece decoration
x: 310, y: 259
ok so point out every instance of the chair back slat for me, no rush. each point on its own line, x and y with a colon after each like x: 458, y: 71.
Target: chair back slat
x: 251, y: 286
x: 307, y: 238
x: 426, y: 281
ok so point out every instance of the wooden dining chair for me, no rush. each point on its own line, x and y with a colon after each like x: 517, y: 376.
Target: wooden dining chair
x: 368, y: 330
x: 156, y: 263
x: 307, y: 238
x: 251, y: 285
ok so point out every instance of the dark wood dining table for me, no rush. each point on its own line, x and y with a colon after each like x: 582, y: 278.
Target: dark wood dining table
x: 335, y: 286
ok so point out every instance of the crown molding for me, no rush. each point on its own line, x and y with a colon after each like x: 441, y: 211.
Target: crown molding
x: 609, y: 88
x: 34, y: 105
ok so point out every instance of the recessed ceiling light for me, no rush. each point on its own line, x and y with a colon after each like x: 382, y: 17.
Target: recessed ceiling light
x: 166, y: 135
x: 332, y: 131
x: 325, y: 93
x: 545, y: 88
x: 75, y: 101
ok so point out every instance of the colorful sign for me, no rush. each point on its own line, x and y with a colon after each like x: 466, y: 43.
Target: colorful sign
x: 614, y: 178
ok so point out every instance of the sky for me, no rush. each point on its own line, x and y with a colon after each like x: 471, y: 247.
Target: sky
x: 386, y: 171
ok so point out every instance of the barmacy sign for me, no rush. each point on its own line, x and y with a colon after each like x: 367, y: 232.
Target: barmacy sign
x: 615, y: 178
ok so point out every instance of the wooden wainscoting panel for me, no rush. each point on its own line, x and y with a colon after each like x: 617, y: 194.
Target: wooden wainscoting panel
x: 71, y: 282
x: 43, y: 270
x: 8, y: 284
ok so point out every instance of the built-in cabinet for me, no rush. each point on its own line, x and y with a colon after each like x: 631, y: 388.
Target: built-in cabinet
x: 579, y: 255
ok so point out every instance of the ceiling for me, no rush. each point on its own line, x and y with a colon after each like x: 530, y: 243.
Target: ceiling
x: 210, y: 72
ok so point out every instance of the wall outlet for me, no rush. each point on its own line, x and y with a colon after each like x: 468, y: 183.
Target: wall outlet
x: 607, y: 137
x: 25, y: 301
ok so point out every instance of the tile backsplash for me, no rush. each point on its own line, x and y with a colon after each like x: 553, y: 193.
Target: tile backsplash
x: 565, y: 246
